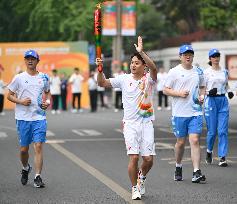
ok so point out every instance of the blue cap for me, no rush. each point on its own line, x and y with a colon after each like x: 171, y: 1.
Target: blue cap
x: 213, y: 51
x: 185, y: 48
x: 31, y: 53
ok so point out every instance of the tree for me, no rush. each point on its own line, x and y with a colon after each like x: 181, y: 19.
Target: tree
x: 182, y: 15
x: 221, y: 17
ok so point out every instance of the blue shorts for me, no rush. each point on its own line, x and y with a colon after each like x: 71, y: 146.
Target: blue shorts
x: 31, y: 131
x: 183, y: 126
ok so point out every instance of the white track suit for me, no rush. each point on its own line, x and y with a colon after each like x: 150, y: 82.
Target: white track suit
x: 217, y: 110
x: 138, y: 112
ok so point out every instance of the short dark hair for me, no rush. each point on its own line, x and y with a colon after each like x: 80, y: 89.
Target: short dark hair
x: 54, y: 70
x: 76, y: 69
x: 136, y: 54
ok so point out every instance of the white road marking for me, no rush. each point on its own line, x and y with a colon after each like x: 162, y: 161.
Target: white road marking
x: 91, y: 132
x: 165, y: 130
x: 86, y: 132
x: 230, y: 130
x: 7, y: 127
x: 87, y: 140
x: 78, y: 132
x: 187, y: 159
x: 167, y: 159
x: 227, y: 159
x: 119, y: 130
x: 54, y: 141
x: 123, y: 193
x: 3, y: 135
x: 160, y: 145
x: 122, y: 139
x: 50, y: 133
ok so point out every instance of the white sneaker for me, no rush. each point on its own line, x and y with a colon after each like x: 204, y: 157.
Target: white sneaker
x: 168, y: 108
x: 80, y: 110
x: 2, y: 113
x: 135, y: 193
x: 53, y: 112
x: 159, y: 108
x: 58, y: 111
x: 116, y: 110
x: 74, y: 110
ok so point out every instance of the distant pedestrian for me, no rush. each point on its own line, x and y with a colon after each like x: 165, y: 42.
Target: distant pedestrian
x: 2, y: 86
x: 76, y: 80
x: 185, y: 83
x: 92, y: 86
x: 55, y: 90
x: 217, y: 107
x: 101, y: 95
x: 118, y: 95
x: 64, y: 82
x: 235, y: 86
x: 137, y: 92
x: 29, y: 90
x: 161, y: 77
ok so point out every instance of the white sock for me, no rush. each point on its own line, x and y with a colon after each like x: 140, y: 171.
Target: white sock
x: 195, y: 170
x: 141, y: 176
x: 178, y: 165
x: 37, y: 175
x: 134, y: 187
x: 209, y: 151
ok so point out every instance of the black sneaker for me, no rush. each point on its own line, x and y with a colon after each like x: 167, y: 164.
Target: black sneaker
x: 178, y: 174
x: 223, y: 162
x: 209, y: 159
x: 24, y: 175
x: 38, y: 183
x: 198, y: 177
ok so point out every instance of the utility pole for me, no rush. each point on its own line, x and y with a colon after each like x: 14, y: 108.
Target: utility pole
x: 117, y: 40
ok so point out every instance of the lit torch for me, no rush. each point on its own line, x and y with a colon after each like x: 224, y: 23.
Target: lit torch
x: 98, y: 30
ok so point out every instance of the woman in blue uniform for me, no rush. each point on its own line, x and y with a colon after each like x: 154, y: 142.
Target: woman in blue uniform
x: 216, y: 107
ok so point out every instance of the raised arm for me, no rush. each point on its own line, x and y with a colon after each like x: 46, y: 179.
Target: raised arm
x: 101, y: 80
x: 149, y: 62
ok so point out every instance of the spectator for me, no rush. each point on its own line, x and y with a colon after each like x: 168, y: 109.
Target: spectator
x: 92, y: 86
x: 161, y: 77
x: 55, y: 90
x: 2, y: 86
x: 64, y: 91
x: 76, y: 80
x: 118, y: 95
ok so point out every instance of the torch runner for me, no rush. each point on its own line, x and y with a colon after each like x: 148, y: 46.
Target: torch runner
x: 97, y: 30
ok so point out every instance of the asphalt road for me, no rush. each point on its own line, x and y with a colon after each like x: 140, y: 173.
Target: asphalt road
x: 85, y: 161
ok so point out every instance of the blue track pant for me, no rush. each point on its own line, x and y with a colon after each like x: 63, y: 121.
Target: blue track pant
x: 217, y: 118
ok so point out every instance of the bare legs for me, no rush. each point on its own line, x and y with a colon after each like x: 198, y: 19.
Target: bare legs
x: 133, y: 166
x: 195, y: 150
x: 38, y: 157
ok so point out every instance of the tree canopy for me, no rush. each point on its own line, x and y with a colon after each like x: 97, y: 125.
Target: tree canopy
x: 70, y: 20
